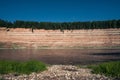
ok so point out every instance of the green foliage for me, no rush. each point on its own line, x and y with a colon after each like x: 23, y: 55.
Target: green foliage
x: 21, y: 67
x: 5, y: 23
x: 109, y: 69
x: 61, y: 26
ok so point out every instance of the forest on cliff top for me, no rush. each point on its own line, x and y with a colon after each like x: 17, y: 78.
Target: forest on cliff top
x: 61, y: 25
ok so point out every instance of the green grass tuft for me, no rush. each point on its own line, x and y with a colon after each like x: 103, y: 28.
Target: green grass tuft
x: 111, y: 69
x: 21, y: 67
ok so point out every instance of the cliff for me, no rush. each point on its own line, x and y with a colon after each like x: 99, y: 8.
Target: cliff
x: 56, y: 39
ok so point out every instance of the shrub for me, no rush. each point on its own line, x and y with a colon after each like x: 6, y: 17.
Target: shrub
x: 109, y: 69
x: 21, y: 67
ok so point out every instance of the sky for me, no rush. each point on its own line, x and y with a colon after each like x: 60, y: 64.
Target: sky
x: 59, y: 10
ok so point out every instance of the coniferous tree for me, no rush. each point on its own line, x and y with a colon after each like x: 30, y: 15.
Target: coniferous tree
x: 61, y: 26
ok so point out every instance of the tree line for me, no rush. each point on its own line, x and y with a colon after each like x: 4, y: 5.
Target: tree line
x: 61, y: 25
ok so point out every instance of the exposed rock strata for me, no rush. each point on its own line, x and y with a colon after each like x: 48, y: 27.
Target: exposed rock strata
x: 55, y: 38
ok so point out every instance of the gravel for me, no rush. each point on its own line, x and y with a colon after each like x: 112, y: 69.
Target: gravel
x: 58, y: 72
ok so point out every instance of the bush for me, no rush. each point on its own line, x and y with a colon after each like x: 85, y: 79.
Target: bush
x: 21, y: 67
x: 109, y: 69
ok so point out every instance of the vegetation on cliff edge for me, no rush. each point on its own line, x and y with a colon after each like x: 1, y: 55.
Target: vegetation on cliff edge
x: 61, y: 25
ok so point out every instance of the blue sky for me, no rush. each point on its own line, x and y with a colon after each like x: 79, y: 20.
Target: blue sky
x: 59, y: 10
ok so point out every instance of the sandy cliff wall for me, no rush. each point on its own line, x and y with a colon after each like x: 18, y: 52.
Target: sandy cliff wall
x: 56, y: 38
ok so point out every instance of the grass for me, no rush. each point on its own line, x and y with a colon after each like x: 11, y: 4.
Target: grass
x: 21, y: 67
x: 111, y: 69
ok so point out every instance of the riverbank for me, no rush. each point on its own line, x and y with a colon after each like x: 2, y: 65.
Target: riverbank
x: 9, y: 45
x: 59, y: 72
x: 35, y: 70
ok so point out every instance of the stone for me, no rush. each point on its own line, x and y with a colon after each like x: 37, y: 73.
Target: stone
x: 59, y: 72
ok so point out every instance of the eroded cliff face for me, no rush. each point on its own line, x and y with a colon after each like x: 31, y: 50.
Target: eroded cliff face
x: 57, y: 39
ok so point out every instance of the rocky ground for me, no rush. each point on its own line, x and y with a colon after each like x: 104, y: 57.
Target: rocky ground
x: 58, y: 72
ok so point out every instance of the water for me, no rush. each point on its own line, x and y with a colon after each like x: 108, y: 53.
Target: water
x: 61, y: 56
